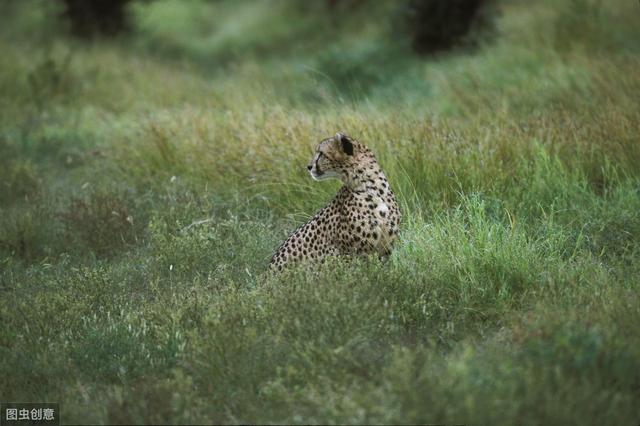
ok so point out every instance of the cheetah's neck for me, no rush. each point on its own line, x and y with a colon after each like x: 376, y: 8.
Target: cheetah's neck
x: 366, y: 178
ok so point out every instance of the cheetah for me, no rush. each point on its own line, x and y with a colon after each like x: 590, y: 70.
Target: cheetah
x: 363, y: 218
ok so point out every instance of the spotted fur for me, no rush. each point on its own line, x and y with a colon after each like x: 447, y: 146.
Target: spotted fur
x: 363, y: 217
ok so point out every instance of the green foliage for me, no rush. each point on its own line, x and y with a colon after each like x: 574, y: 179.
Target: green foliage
x: 103, y: 223
x: 25, y: 233
x: 19, y: 180
x: 145, y: 183
x: 18, y: 175
x: 354, y: 71
x: 586, y: 24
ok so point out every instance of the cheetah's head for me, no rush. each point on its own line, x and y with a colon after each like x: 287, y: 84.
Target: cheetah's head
x: 334, y: 157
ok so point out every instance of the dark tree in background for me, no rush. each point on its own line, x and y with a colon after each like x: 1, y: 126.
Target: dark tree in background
x: 96, y: 17
x: 432, y: 25
x: 437, y: 25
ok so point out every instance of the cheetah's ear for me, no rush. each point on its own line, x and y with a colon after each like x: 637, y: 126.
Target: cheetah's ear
x: 347, y: 145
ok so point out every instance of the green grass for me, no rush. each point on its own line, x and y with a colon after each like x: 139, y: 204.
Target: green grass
x: 146, y: 181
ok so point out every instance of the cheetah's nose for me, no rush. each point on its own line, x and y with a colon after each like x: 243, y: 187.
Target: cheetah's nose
x: 309, y: 167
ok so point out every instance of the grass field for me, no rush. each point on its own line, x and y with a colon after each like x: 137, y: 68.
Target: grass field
x: 146, y: 181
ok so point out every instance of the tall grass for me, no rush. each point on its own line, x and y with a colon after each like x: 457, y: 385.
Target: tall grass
x: 145, y: 182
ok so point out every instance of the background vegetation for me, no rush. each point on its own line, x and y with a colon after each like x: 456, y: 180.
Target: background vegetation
x: 146, y: 179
